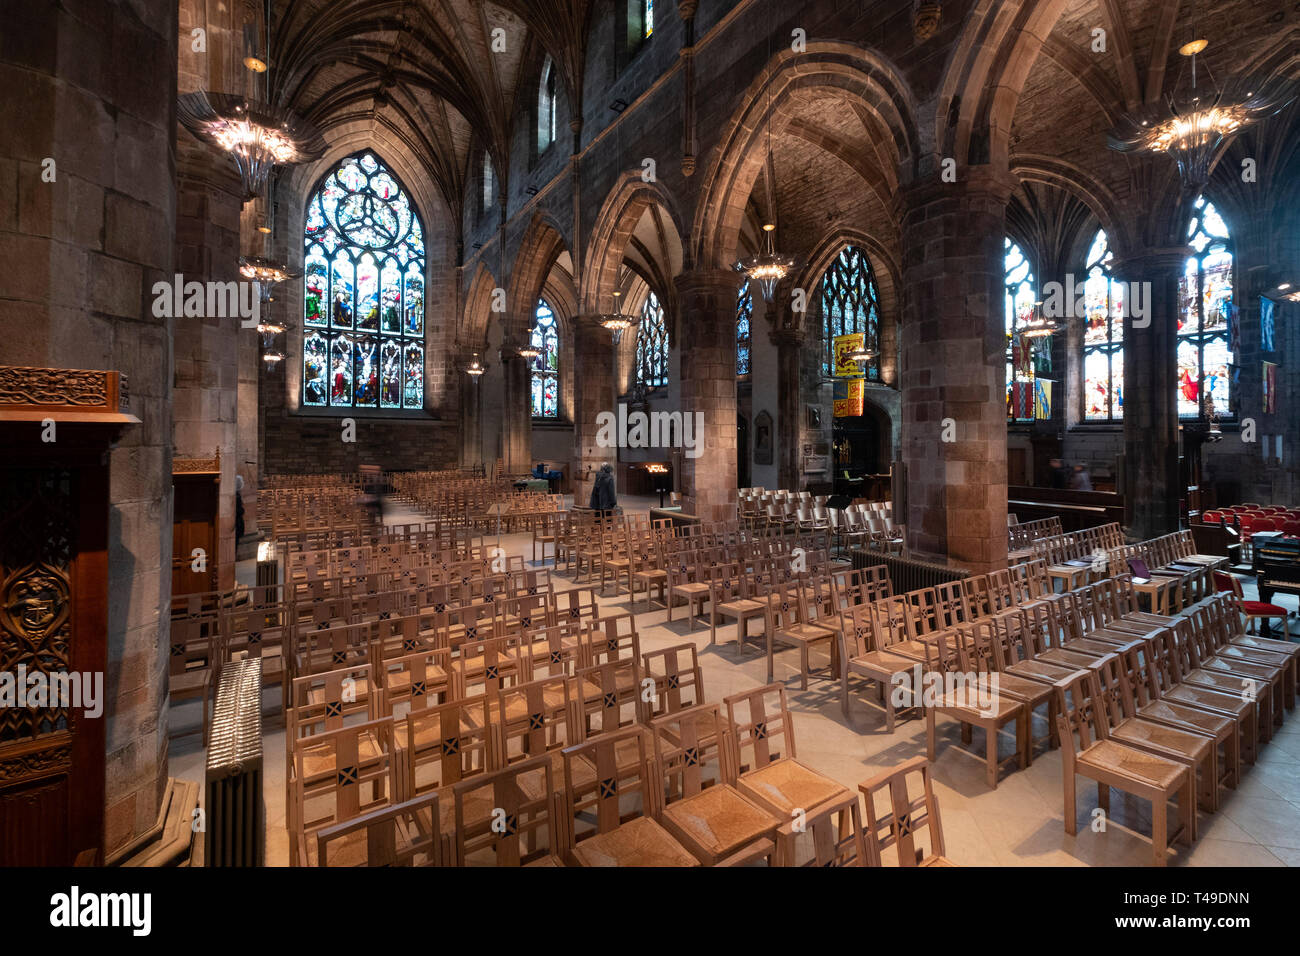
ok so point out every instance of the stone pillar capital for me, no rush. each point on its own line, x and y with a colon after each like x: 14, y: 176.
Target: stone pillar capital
x: 686, y: 8
x: 974, y: 184
x: 788, y: 338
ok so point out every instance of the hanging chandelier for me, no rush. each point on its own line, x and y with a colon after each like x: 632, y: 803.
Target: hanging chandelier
x: 263, y: 269
x: 1194, y: 121
x: 1287, y: 292
x: 616, y: 321
x: 475, y: 367
x: 528, y: 351
x: 863, y: 353
x: 257, y: 135
x: 1038, y: 326
x: 768, y: 267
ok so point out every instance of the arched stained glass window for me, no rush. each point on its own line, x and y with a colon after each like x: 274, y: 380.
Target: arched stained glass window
x: 546, y: 366
x: 489, y: 180
x: 1206, y: 317
x: 363, y: 291
x: 1103, y: 336
x: 744, y: 316
x: 1027, y: 357
x: 652, y: 345
x: 546, y: 106
x: 851, y: 305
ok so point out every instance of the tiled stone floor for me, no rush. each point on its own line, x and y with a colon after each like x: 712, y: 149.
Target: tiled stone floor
x: 1018, y: 824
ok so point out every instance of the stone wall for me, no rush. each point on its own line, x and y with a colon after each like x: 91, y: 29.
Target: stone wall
x: 90, y: 88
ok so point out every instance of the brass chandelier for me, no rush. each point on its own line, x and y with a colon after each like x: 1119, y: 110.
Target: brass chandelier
x: 1195, y: 120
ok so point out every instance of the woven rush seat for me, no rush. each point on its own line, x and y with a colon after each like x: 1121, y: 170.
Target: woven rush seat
x: 1156, y: 771
x: 639, y: 842
x: 787, y: 785
x: 719, y: 819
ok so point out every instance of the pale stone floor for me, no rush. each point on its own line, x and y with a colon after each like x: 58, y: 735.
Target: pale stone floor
x: 1018, y: 824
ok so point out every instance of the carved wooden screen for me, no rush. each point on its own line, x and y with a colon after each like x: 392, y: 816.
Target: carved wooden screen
x: 54, y: 609
x: 44, y: 804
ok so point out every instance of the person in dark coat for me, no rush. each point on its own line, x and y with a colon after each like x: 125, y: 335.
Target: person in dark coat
x: 604, y: 497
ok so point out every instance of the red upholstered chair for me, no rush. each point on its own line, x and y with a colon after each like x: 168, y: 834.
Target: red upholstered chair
x: 1291, y: 527
x: 1212, y: 517
x: 1252, y: 610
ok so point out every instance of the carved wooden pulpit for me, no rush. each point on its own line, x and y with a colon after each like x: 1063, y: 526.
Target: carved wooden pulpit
x: 56, y: 426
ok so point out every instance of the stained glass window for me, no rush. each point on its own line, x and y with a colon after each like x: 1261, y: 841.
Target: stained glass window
x: 1028, y: 358
x: 652, y: 345
x: 363, y: 291
x: 1206, y: 317
x: 489, y: 179
x: 546, y: 366
x: 546, y: 106
x: 744, y: 316
x: 648, y: 16
x: 851, y: 304
x: 1103, y: 336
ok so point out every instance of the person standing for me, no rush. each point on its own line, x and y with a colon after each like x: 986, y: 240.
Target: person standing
x: 1081, y: 480
x: 604, y: 497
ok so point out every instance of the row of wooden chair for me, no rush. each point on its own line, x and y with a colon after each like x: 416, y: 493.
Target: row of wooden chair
x: 692, y: 786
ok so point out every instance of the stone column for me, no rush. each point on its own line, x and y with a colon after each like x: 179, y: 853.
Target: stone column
x: 593, y: 393
x: 707, y: 326
x: 517, y: 425
x: 953, y: 379
x: 1151, y: 480
x: 86, y: 230
x: 789, y: 344
x: 208, y: 207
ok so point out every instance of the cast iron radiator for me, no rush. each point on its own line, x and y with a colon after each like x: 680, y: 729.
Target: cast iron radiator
x: 908, y: 574
x: 236, y: 812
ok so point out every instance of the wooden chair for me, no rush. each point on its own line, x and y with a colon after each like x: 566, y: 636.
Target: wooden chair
x: 768, y: 771
x: 443, y: 745
x: 509, y: 817
x: 625, y: 799
x: 674, y: 679
x: 903, y: 818
x: 973, y: 707
x: 575, y: 604
x: 650, y: 572
x: 545, y: 531
x: 833, y: 830
x: 789, y: 621
x: 704, y: 811
x: 1195, y: 750
x: 735, y: 594
x: 338, y: 775
x: 1141, y: 671
x: 405, y: 834
x: 413, y: 680
x: 689, y: 582
x: 194, y: 661
x: 859, y: 657
x: 977, y: 644
x: 1087, y: 751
